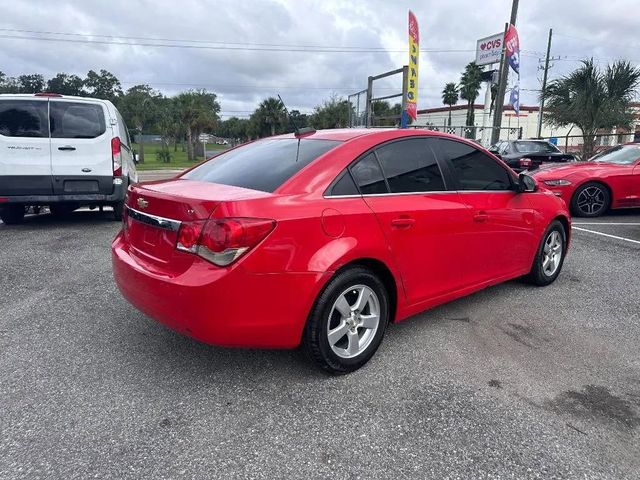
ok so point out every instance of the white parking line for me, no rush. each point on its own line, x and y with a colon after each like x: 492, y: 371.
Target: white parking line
x: 606, y: 235
x: 633, y: 224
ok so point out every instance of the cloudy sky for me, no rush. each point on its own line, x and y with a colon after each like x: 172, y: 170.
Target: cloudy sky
x: 245, y: 50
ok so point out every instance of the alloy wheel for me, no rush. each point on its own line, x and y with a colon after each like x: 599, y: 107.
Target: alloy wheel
x: 552, y: 253
x: 353, y: 321
x: 591, y: 200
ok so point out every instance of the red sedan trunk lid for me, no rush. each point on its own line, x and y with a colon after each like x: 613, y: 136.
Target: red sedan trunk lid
x: 157, y: 208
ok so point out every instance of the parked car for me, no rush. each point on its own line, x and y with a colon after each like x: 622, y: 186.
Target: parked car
x: 64, y: 152
x: 325, y: 238
x: 610, y: 179
x: 524, y: 155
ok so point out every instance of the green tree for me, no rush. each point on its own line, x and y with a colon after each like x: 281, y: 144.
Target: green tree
x: 470, y: 83
x: 66, y: 84
x: 592, y: 99
x: 450, y: 96
x: 138, y: 107
x: 103, y: 85
x: 198, y: 112
x: 234, y: 128
x: 301, y: 120
x: 271, y: 117
x: 384, y: 114
x: 33, y: 83
x: 8, y: 84
x: 333, y: 113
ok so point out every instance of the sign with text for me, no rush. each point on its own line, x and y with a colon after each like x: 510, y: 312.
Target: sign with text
x: 414, y: 58
x: 489, y: 49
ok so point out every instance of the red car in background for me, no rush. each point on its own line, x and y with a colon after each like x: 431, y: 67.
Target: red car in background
x: 323, y: 238
x: 610, y: 179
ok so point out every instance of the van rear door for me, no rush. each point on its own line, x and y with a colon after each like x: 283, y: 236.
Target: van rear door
x: 25, y: 155
x: 81, y: 134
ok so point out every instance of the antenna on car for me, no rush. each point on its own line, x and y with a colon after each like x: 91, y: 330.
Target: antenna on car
x: 299, y: 132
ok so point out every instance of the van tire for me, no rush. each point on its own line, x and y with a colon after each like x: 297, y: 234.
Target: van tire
x: 118, y: 209
x: 12, y: 214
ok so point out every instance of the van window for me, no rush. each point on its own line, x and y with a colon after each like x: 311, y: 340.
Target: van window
x: 76, y: 120
x: 23, y: 118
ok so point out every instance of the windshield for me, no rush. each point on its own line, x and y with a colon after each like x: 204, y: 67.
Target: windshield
x: 621, y: 155
x: 261, y: 165
x: 535, y: 147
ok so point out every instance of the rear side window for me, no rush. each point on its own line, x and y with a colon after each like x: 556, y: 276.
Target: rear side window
x: 344, y: 185
x: 23, y: 118
x: 76, y: 120
x: 368, y: 175
x: 263, y: 165
x: 473, y: 169
x: 410, y: 166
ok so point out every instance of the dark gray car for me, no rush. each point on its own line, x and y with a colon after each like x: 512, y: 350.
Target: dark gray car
x: 523, y: 155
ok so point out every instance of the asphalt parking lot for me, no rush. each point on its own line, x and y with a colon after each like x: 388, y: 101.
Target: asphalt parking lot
x: 512, y: 382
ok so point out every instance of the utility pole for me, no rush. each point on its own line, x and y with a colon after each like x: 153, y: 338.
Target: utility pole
x: 544, y: 84
x: 504, y: 73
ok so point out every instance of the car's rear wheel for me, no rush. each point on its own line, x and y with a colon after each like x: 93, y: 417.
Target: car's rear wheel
x: 590, y: 200
x: 348, y: 321
x: 550, y: 255
x: 12, y: 214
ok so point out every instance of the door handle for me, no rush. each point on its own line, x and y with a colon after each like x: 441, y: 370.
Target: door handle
x: 403, y: 222
x: 67, y: 148
x: 481, y: 217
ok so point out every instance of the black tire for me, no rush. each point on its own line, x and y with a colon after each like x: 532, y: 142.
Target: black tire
x: 12, y: 214
x: 118, y: 209
x: 597, y: 199
x: 62, y: 210
x: 315, y: 336
x: 538, y: 274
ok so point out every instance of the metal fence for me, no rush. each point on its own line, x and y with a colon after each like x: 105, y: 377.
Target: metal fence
x: 579, y: 145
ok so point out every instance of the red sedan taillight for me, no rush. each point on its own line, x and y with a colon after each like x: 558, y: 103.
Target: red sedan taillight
x: 525, y: 162
x: 223, y: 240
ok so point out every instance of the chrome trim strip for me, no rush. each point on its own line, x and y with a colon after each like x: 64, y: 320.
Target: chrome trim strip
x: 436, y: 192
x: 154, y: 220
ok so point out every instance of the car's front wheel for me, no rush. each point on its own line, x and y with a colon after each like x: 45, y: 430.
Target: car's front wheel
x: 550, y: 255
x: 590, y: 200
x: 348, y: 321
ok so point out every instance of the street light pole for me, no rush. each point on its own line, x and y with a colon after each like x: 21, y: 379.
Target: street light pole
x: 504, y: 74
x: 544, y: 84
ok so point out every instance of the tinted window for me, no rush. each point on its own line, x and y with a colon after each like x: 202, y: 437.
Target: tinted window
x: 262, y: 165
x: 368, y: 175
x: 23, y: 118
x: 76, y: 120
x: 473, y: 169
x: 535, y: 147
x: 345, y: 186
x: 410, y: 166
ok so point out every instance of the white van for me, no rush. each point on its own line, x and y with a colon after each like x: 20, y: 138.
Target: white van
x: 64, y: 152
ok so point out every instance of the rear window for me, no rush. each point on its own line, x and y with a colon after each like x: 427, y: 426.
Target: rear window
x: 76, y: 120
x: 535, y: 147
x: 23, y: 118
x: 262, y: 165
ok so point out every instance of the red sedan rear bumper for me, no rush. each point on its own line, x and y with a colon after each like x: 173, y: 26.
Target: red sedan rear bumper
x: 220, y: 306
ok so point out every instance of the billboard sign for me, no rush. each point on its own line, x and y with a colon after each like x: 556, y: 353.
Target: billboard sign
x: 489, y: 49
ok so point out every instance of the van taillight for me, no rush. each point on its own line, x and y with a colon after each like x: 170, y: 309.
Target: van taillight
x: 223, y: 240
x: 116, y: 155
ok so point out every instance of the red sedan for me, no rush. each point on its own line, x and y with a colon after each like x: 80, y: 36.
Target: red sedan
x: 326, y: 237
x: 611, y: 179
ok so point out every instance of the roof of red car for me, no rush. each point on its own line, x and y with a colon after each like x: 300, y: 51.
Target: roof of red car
x: 345, y: 134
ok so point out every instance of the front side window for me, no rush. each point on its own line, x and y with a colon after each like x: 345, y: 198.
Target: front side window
x: 24, y: 118
x: 410, y: 166
x: 473, y: 169
x: 261, y: 165
x: 76, y: 120
x: 367, y: 174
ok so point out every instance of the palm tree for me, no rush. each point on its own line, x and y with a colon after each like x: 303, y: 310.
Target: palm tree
x: 271, y: 112
x: 592, y: 99
x: 470, y: 83
x: 450, y: 96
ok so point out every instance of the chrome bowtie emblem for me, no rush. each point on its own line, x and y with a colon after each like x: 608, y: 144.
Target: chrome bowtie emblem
x: 142, y: 203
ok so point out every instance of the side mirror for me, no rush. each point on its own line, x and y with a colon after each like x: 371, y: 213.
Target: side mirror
x: 526, y: 183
